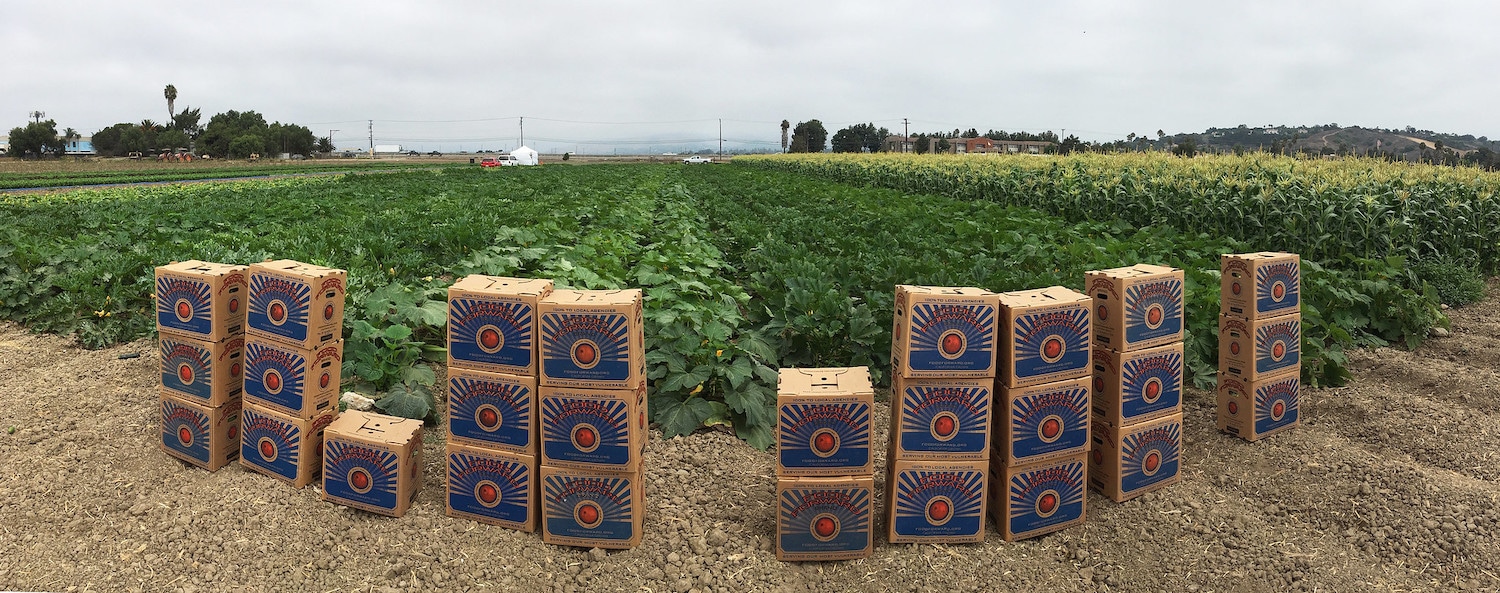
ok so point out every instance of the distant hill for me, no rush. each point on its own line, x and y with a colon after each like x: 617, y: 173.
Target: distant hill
x: 1408, y: 144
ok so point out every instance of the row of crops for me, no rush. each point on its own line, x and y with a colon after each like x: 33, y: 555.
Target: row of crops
x: 96, y: 174
x: 1324, y: 209
x: 744, y: 269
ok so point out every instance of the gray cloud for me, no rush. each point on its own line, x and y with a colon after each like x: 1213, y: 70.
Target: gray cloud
x: 1095, y: 67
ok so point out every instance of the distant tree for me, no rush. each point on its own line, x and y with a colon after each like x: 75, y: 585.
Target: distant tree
x: 814, y: 136
x: 224, y: 128
x: 187, y: 121
x: 1070, y: 145
x: 972, y: 133
x: 246, y: 145
x: 171, y: 94
x: 785, y: 125
x: 859, y: 138
x: 38, y: 138
x: 1188, y: 148
x: 325, y: 144
x: 288, y: 138
x: 107, y: 140
x: 132, y: 139
x: 171, y: 140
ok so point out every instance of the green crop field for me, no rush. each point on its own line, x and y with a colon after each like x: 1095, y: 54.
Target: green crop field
x: 745, y: 267
x: 63, y: 173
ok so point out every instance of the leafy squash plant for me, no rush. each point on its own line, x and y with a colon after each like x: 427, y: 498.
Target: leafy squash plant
x: 392, y: 343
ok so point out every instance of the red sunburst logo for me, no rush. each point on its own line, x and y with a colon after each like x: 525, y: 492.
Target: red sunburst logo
x: 273, y: 382
x: 488, y: 418
x: 1052, y: 348
x: 1277, y: 410
x: 1278, y: 291
x: 184, y: 311
x: 586, y: 437
x: 588, y: 514
x: 267, y: 450
x: 328, y: 311
x: 1047, y: 503
x: 1153, y: 461
x: 184, y: 436
x: 823, y: 442
x: 824, y: 527
x: 938, y: 510
x: 1153, y: 317
x: 489, y: 339
x: 360, y: 480
x: 185, y: 373
x: 488, y: 494
x: 1153, y: 391
x: 278, y: 312
x: 1278, y: 351
x: 234, y: 305
x: 1051, y: 428
x: 585, y: 353
x: 952, y: 344
x: 944, y: 425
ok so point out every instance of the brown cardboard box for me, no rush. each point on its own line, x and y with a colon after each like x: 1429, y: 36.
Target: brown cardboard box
x: 206, y: 437
x: 944, y: 332
x: 1131, y: 460
x: 941, y: 419
x: 208, y: 373
x: 492, y: 323
x: 372, y: 462
x: 825, y: 518
x: 494, y: 410
x: 1135, y: 307
x: 1031, y: 500
x: 823, y: 422
x: 1264, y: 284
x: 201, y: 300
x: 1251, y: 349
x: 1046, y: 336
x: 284, y: 447
x: 1131, y: 387
x: 296, y: 304
x: 593, y: 429
x: 593, y: 509
x: 1258, y: 409
x: 592, y: 339
x: 494, y: 487
x: 290, y: 380
x: 1042, y: 422
x: 936, y: 502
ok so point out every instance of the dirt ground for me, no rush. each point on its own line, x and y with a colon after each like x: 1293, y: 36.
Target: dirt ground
x: 1392, y: 484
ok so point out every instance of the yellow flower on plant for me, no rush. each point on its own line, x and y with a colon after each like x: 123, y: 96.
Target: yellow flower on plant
x: 697, y: 390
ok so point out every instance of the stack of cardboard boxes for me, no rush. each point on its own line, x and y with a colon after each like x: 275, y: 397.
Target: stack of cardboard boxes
x: 293, y: 362
x: 1037, y: 474
x: 493, y: 440
x: 200, y: 316
x: 1260, y: 343
x: 942, y: 392
x: 592, y: 412
x: 825, y: 472
x: 1138, y: 379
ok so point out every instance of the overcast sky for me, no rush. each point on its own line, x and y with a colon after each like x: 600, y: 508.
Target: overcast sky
x: 598, y: 76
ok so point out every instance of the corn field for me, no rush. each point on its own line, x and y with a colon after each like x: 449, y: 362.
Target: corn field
x: 1323, y: 209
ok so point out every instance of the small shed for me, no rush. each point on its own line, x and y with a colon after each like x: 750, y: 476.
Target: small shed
x: 525, y: 156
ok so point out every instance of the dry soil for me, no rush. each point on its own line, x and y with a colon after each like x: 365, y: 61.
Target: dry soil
x: 1391, y: 484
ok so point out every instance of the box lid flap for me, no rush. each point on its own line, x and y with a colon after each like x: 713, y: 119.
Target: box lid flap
x: 825, y: 381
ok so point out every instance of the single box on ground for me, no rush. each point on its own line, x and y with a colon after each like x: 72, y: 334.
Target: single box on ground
x: 206, y: 437
x: 824, y: 518
x: 1040, y: 498
x: 288, y: 448
x: 490, y: 486
x: 936, y: 501
x: 372, y: 462
x: 593, y: 508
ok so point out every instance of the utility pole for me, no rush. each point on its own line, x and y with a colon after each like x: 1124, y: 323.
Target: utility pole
x: 372, y: 139
x: 905, y: 133
x: 523, y: 131
x: 721, y: 138
x: 330, y: 138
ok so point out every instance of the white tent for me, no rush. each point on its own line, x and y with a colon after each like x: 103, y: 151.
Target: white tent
x: 525, y: 156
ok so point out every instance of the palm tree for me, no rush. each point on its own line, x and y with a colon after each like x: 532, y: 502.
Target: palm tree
x: 69, y: 135
x: 171, y: 94
x: 784, y: 126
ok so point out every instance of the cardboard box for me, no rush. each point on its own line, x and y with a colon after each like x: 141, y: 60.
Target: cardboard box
x: 284, y: 447
x: 593, y: 509
x: 1042, y: 422
x: 824, y: 518
x: 823, y: 422
x: 1131, y: 460
x: 1252, y: 349
x: 592, y: 339
x: 295, y: 303
x: 208, y: 373
x: 494, y: 487
x: 1037, y: 499
x: 201, y: 300
x: 936, y: 502
x: 1045, y: 336
x: 372, y: 462
x: 1264, y: 284
x: 947, y: 419
x: 206, y: 437
x: 1136, y: 307
x: 492, y: 323
x: 492, y: 410
x: 593, y: 429
x: 1131, y: 387
x: 1256, y: 410
x: 944, y: 332
x: 291, y: 380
